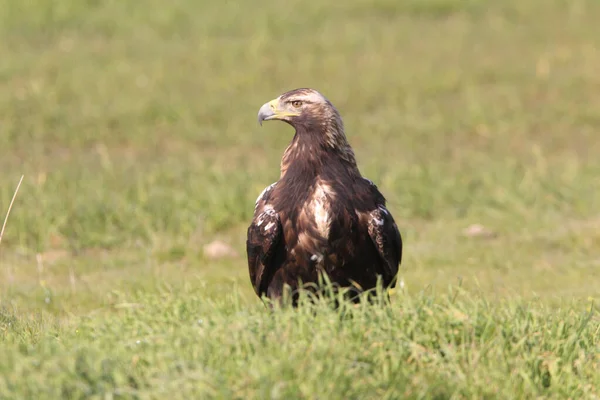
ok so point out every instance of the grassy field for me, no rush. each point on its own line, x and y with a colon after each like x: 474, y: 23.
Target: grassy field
x: 135, y: 127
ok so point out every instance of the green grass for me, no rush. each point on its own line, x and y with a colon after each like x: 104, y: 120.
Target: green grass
x: 135, y: 127
x: 176, y: 342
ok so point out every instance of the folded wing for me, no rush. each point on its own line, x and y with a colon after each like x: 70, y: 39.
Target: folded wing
x: 264, y: 236
x: 388, y: 242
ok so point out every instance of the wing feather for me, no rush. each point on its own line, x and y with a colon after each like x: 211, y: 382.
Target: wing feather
x: 264, y: 236
x: 388, y: 242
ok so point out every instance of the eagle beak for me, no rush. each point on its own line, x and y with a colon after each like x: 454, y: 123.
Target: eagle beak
x: 268, y: 111
x: 271, y: 111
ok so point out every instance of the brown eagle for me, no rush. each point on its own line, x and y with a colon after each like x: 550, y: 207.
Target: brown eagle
x: 321, y: 215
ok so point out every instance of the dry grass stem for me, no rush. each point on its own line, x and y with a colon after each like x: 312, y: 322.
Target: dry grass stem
x: 10, y: 208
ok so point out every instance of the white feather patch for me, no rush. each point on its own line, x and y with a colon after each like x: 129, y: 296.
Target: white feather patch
x: 320, y: 208
x: 268, y: 212
x: 317, y: 257
x: 265, y: 190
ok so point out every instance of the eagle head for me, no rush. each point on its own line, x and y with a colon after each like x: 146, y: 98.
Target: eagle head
x: 302, y: 108
x: 319, y: 127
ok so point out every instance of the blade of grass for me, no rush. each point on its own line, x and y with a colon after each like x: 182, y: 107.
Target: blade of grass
x: 10, y: 208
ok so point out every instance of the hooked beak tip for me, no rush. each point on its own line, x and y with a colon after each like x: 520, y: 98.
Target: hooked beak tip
x: 265, y: 113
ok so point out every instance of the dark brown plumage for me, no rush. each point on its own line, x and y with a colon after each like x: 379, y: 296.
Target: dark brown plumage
x: 321, y: 215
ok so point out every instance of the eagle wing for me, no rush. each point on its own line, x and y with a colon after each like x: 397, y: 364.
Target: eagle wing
x: 387, y: 239
x: 264, y: 236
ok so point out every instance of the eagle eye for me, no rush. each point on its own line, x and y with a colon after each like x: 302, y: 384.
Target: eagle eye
x: 296, y: 103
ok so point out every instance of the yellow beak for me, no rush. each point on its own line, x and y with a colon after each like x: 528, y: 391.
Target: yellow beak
x: 271, y: 110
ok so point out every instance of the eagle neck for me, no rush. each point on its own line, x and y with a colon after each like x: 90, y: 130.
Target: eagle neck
x: 312, y: 150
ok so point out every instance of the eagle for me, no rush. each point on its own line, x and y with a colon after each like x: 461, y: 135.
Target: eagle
x: 321, y: 216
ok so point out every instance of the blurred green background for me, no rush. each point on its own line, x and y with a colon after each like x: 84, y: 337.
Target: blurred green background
x: 123, y: 269
x: 134, y: 124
